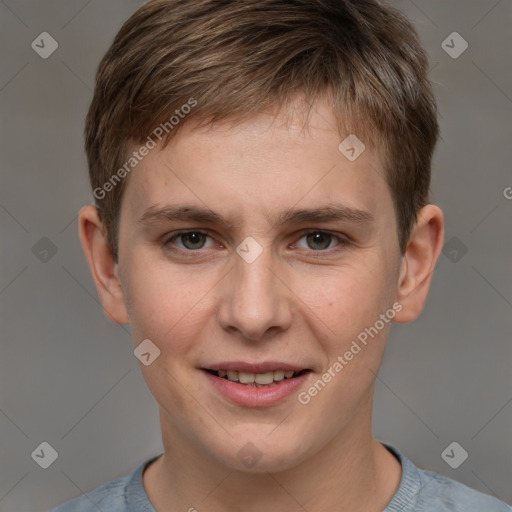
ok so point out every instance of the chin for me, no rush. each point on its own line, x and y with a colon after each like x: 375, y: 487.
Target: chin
x: 259, y: 454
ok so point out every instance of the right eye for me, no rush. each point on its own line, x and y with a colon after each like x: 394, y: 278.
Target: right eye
x: 190, y: 240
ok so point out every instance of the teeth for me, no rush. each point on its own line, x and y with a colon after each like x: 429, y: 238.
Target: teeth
x: 264, y: 378
x: 232, y: 375
x: 279, y: 375
x: 258, y: 379
x: 246, y: 378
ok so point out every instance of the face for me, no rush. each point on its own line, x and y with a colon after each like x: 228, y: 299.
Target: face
x: 260, y: 249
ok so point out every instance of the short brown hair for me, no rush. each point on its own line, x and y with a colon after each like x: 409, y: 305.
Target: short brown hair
x: 237, y: 58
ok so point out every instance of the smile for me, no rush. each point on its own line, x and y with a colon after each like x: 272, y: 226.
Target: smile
x: 255, y: 385
x: 257, y: 379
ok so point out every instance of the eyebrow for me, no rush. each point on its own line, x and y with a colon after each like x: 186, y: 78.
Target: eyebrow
x: 192, y: 213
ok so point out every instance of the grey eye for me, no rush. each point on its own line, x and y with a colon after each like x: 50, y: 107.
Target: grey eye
x: 191, y: 240
x: 318, y: 240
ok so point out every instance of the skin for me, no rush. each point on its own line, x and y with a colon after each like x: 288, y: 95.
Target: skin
x: 287, y: 305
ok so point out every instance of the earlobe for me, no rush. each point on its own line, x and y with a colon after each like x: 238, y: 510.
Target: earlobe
x: 418, y: 263
x: 103, y: 267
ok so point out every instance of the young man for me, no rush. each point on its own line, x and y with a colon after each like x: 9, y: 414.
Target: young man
x: 261, y: 171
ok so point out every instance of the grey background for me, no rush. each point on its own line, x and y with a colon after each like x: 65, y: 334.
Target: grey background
x: 69, y: 377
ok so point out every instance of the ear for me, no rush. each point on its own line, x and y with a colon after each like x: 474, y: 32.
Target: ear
x: 104, y: 269
x: 418, y: 263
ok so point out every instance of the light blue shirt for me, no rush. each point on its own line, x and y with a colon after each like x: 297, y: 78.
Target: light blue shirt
x: 419, y: 491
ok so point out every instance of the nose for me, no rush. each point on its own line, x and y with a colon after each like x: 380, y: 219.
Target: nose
x: 254, y: 300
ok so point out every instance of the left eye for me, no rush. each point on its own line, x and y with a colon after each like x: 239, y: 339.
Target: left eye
x: 318, y: 240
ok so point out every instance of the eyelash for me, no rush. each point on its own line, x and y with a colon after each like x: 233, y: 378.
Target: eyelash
x: 342, y: 242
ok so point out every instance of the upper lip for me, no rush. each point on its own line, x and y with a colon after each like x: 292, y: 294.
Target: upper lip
x: 263, y: 367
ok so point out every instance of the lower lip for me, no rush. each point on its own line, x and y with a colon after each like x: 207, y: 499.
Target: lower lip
x: 251, y: 396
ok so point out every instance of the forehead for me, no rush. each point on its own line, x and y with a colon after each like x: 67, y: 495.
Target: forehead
x: 267, y: 164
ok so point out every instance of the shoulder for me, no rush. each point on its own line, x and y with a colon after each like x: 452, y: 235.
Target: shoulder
x: 109, y: 496
x: 444, y: 494
x: 421, y: 490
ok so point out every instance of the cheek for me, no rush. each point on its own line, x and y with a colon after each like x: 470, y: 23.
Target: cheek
x: 166, y: 305
x: 344, y: 313
x: 346, y: 300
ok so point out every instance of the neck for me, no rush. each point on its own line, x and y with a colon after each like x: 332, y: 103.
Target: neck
x: 351, y: 472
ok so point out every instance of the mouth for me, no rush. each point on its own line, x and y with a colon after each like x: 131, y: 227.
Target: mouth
x: 257, y: 380
x: 262, y: 384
